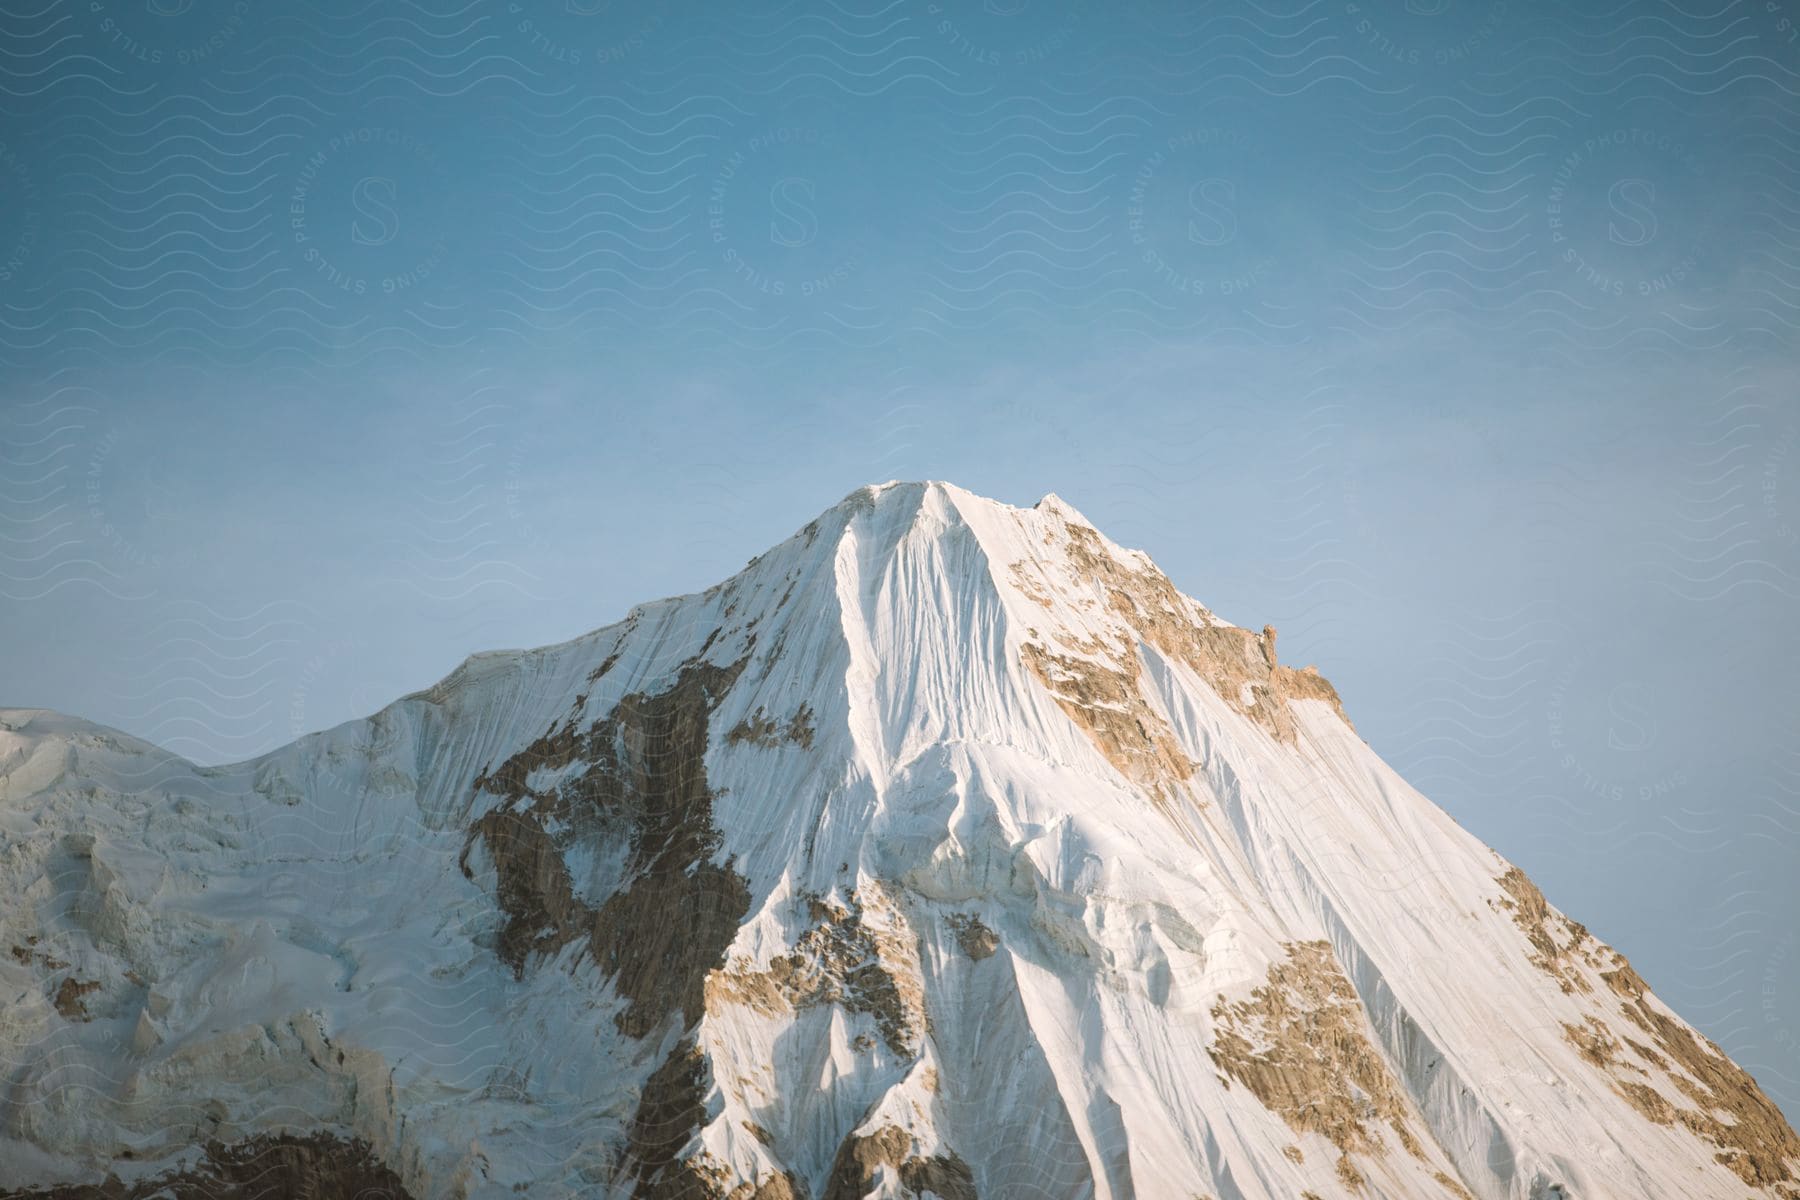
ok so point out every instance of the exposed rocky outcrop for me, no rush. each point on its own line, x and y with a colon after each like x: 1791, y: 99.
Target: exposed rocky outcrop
x: 862, y: 1158
x: 1724, y: 1104
x: 860, y: 956
x: 1560, y: 948
x: 1239, y: 665
x: 1594, y: 1040
x: 1100, y: 684
x: 643, y: 779
x: 760, y: 729
x: 69, y: 997
x: 1105, y: 700
x: 977, y: 940
x: 317, y: 1166
x: 1298, y: 1043
x: 671, y: 1109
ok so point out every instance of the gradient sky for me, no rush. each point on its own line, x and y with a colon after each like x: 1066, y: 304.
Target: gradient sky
x: 1455, y: 339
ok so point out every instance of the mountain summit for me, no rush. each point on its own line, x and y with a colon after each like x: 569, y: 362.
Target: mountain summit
x: 946, y: 850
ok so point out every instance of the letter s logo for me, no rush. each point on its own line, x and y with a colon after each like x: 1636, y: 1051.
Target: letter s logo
x: 1631, y: 201
x: 377, y: 221
x: 1212, y: 212
x: 794, y: 222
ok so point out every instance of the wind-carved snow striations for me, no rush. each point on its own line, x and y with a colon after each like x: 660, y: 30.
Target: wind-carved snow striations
x: 946, y: 850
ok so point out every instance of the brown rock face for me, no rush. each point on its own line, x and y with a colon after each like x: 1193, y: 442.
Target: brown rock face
x: 861, y: 958
x: 1298, y: 1044
x: 672, y: 1107
x: 317, y: 1167
x: 1561, y: 960
x: 637, y: 776
x: 1456, y: 1189
x: 704, y: 1178
x: 760, y: 729
x: 1106, y: 703
x: 860, y: 1159
x: 977, y: 940
x: 1230, y: 659
x: 1594, y: 1040
x: 69, y: 1000
x: 644, y: 783
x: 1239, y: 665
x: 1728, y: 1108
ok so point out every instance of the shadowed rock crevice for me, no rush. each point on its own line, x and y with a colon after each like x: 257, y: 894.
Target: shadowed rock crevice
x: 671, y: 1110
x: 278, y: 1167
x: 642, y: 781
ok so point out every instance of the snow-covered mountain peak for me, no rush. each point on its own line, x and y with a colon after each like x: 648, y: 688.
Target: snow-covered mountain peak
x: 946, y: 850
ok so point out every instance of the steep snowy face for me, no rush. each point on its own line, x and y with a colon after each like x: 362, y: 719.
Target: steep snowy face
x: 947, y: 850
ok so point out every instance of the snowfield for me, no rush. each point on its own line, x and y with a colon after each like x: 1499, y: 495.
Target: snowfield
x: 946, y: 850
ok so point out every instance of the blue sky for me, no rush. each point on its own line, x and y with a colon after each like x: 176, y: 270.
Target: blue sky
x: 1457, y: 340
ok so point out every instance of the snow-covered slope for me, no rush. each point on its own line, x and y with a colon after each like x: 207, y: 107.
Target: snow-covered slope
x: 945, y: 850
